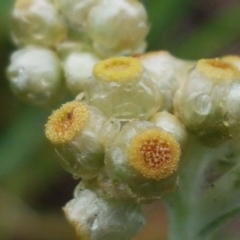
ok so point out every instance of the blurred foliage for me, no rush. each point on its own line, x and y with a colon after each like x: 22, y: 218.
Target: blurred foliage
x: 33, y: 187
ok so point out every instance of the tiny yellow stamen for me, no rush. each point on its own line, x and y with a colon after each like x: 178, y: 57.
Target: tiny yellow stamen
x: 65, y: 123
x: 119, y: 69
x: 155, y: 154
x: 217, y: 69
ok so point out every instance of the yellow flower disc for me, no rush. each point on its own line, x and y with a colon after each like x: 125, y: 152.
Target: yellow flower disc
x: 119, y: 69
x: 217, y: 69
x: 65, y: 123
x: 155, y: 154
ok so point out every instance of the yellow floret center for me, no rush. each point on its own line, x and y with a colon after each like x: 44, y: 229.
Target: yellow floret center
x: 217, y: 69
x: 65, y: 123
x: 119, y: 69
x: 155, y: 154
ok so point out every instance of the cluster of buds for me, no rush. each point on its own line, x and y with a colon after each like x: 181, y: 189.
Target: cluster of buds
x: 125, y: 131
x: 61, y: 40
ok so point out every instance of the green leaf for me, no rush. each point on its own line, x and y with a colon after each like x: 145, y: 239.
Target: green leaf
x: 163, y: 16
x: 23, y: 138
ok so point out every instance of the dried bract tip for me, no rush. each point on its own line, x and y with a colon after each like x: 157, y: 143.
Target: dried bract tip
x: 65, y: 123
x: 21, y: 4
x: 155, y: 154
x: 81, y: 231
x: 217, y: 69
x: 120, y: 69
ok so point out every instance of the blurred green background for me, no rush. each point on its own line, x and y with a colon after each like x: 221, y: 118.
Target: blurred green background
x: 33, y: 187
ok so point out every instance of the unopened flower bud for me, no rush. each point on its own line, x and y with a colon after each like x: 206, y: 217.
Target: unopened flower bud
x: 37, y: 22
x: 79, y: 132
x: 35, y: 76
x: 117, y: 27
x: 121, y: 88
x: 96, y: 219
x: 78, y: 68
x: 197, y: 102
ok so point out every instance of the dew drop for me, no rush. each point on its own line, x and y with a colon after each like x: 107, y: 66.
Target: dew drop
x: 202, y: 104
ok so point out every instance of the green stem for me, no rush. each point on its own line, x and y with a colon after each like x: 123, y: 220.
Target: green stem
x: 179, y: 215
x: 181, y: 204
x: 188, y: 213
x: 222, y: 201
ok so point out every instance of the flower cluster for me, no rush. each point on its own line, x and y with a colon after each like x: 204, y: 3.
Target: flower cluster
x: 119, y: 142
x: 127, y: 128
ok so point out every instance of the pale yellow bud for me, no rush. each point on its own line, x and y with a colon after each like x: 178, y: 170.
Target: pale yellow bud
x: 121, y: 88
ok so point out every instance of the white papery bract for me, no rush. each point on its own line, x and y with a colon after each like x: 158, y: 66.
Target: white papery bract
x: 97, y: 219
x: 35, y: 76
x: 169, y: 123
x: 78, y: 67
x: 118, y: 27
x: 76, y: 11
x: 167, y: 72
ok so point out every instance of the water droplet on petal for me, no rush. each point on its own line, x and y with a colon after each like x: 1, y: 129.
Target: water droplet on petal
x: 202, y: 104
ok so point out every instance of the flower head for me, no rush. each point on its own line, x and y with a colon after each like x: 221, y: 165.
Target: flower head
x: 155, y: 154
x: 121, y: 88
x: 65, y: 123
x: 119, y: 69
